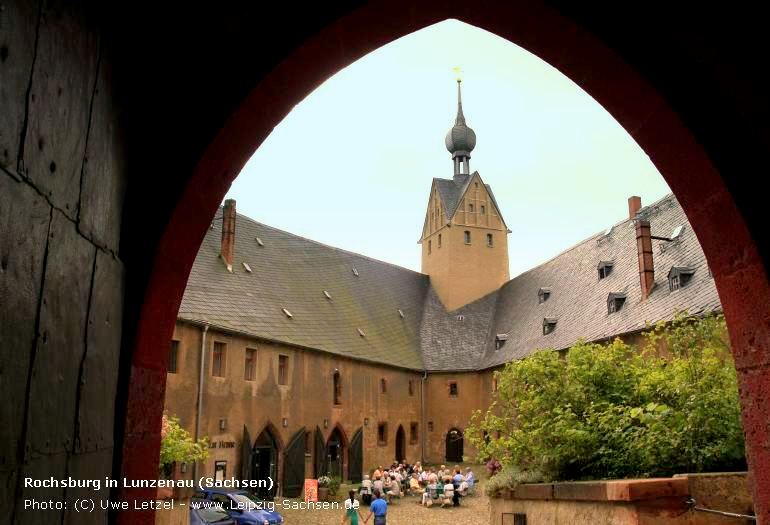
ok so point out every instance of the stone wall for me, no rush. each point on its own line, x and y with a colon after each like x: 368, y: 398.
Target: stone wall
x: 61, y: 277
x: 662, y: 501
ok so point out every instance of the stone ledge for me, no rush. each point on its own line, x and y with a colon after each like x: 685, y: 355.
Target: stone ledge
x: 609, y: 490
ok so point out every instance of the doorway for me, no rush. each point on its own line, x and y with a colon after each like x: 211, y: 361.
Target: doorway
x: 264, y: 464
x: 400, y: 444
x: 454, y: 446
x: 335, y: 454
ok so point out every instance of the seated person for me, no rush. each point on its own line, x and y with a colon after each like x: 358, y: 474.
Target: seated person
x: 424, y: 477
x: 462, y: 490
x: 394, y: 491
x: 470, y: 478
x: 378, y: 485
x: 414, y: 485
x: 432, y: 477
x: 449, y: 493
x: 428, y: 495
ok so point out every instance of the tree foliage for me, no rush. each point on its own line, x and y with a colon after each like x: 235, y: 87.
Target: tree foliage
x: 612, y: 410
x: 178, y: 446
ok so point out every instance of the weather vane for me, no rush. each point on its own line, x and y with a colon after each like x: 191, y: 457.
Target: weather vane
x: 458, y: 72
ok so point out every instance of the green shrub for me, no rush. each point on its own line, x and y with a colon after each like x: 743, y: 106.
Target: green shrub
x: 509, y: 477
x: 178, y: 446
x: 611, y: 410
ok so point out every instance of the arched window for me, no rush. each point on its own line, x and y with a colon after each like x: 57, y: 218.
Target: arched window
x: 467, y: 237
x: 337, y: 388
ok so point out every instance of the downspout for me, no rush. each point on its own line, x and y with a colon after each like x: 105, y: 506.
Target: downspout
x: 199, y: 406
x: 422, y: 417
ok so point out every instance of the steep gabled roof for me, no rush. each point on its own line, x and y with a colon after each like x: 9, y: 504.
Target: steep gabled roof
x: 291, y: 272
x: 452, y: 192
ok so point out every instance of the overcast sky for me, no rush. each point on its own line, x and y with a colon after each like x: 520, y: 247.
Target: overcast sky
x: 351, y: 166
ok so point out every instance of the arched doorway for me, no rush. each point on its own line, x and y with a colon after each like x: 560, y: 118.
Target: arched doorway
x: 680, y: 141
x: 264, y: 462
x: 335, y: 453
x: 454, y: 446
x: 400, y: 444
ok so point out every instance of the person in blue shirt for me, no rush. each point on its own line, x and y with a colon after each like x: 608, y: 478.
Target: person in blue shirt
x: 378, y: 509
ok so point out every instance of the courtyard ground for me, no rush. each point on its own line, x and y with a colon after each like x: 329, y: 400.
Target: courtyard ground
x: 473, y: 510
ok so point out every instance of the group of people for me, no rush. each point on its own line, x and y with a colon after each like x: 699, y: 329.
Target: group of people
x: 444, y: 486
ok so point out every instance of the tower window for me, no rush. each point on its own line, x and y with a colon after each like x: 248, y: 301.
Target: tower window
x: 413, y: 434
x: 483, y: 210
x: 615, y: 302
x: 470, y: 208
x: 467, y: 235
x: 678, y: 277
x: 549, y: 325
x: 605, y: 269
x: 490, y: 240
x: 430, y: 247
x: 337, y: 389
x: 249, y: 365
x: 173, y: 358
x: 543, y: 295
x: 383, y: 386
x: 218, y: 360
x: 439, y: 240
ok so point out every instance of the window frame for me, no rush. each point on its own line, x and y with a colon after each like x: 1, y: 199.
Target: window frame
x: 219, y: 359
x: 382, y: 434
x: 173, y: 357
x: 452, y: 385
x: 467, y: 237
x: 283, y: 369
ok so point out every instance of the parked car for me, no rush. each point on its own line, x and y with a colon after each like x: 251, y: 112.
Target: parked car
x: 204, y: 513
x: 240, y: 506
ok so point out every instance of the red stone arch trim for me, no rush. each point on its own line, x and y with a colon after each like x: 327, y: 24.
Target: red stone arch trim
x: 738, y: 270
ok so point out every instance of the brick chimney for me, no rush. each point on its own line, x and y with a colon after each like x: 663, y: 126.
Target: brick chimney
x: 643, y: 248
x: 228, y: 233
x: 634, y: 205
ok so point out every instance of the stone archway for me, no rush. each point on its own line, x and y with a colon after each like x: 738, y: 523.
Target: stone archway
x: 737, y: 267
x: 454, y: 446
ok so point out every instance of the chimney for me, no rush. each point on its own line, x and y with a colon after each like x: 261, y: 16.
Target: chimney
x: 228, y: 233
x: 643, y: 248
x: 634, y: 205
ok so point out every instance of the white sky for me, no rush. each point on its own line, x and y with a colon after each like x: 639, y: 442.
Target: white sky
x: 351, y: 165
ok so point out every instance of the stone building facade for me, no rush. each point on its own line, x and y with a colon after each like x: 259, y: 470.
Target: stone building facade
x: 298, y: 359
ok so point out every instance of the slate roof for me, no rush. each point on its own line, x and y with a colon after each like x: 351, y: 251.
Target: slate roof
x: 452, y: 190
x: 578, y: 298
x: 292, y: 272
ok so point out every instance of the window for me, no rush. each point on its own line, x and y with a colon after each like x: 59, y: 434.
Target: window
x: 679, y: 276
x: 429, y: 247
x: 470, y: 208
x: 411, y: 387
x: 439, y: 240
x: 283, y: 369
x: 173, y: 358
x: 249, y: 365
x: 430, y: 426
x: 218, y: 360
x: 413, y: 434
x: 605, y: 269
x: 549, y: 325
x: 337, y: 389
x: 382, y: 434
x: 220, y: 470
x: 500, y: 340
x: 490, y: 240
x: 383, y: 386
x: 483, y: 210
x: 615, y: 302
x: 543, y: 294
x: 467, y: 237
x: 453, y: 389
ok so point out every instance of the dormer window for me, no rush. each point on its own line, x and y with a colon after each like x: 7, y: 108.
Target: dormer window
x: 549, y: 325
x: 615, y: 302
x: 500, y: 340
x: 605, y: 269
x: 460, y: 317
x: 679, y: 276
x: 543, y: 294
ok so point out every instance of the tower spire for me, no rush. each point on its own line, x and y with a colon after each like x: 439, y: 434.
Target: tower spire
x: 460, y: 140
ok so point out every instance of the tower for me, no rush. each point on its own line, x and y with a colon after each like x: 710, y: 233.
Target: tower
x: 464, y: 238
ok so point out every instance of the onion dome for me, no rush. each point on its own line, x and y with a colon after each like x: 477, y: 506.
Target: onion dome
x: 461, y: 139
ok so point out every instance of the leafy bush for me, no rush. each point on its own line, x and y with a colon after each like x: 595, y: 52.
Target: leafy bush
x: 611, y: 410
x: 177, y: 445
